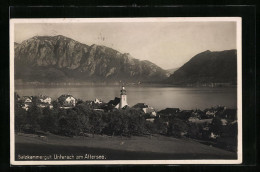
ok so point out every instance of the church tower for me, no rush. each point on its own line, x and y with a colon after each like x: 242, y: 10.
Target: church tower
x: 123, y: 98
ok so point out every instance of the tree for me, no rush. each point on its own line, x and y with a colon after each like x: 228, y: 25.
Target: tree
x: 79, y: 101
x: 46, y: 121
x: 62, y: 122
x: 160, y: 125
x: 20, y: 118
x: 84, y: 111
x: 33, y: 117
x: 56, y: 105
x: 150, y: 128
x: 96, y: 122
x: 136, y: 122
x: 49, y: 120
x: 216, y: 125
x: 194, y: 131
x: 114, y: 122
x: 177, y: 127
x: 63, y: 126
x: 73, y: 122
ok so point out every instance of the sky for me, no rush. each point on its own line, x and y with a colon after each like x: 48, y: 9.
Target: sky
x: 167, y: 44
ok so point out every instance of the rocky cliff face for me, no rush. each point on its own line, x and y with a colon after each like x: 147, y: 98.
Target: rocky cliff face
x: 58, y: 58
x: 207, y: 67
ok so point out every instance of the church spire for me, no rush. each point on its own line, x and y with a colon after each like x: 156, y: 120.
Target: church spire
x: 123, y: 98
x: 123, y: 91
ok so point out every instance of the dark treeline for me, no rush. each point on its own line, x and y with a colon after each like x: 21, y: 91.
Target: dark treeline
x: 85, y: 120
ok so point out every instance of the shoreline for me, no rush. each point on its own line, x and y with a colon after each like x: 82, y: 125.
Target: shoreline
x: 129, y: 84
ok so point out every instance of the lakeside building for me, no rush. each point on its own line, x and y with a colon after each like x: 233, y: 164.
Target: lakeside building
x: 145, y: 108
x: 67, y: 100
x: 119, y: 103
x: 26, y: 102
x: 45, y: 99
x: 114, y: 104
x: 98, y: 101
x: 27, y: 99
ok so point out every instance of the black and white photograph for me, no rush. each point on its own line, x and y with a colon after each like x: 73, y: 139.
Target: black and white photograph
x: 126, y: 91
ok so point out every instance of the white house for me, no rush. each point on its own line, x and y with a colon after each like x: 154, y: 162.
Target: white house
x: 71, y: 100
x: 97, y: 101
x: 27, y: 99
x: 45, y: 99
x: 146, y: 108
x: 149, y: 110
x: 67, y: 100
x: 26, y: 107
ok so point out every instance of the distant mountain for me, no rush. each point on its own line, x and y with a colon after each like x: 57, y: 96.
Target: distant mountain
x: 207, y: 67
x: 171, y: 71
x: 62, y: 59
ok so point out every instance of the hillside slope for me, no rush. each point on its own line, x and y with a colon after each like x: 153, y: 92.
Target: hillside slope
x: 207, y: 67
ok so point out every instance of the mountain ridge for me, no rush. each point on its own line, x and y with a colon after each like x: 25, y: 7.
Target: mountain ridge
x: 62, y: 59
x: 50, y: 58
x: 207, y: 67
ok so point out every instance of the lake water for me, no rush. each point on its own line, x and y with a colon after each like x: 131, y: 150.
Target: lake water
x: 156, y: 96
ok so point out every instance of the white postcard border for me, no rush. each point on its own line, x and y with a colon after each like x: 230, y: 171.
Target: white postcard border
x: 238, y: 21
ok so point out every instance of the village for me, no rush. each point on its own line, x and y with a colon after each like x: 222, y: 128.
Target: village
x: 67, y: 101
x: 201, y: 119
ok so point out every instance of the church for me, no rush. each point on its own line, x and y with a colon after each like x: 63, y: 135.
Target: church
x: 120, y: 103
x: 123, y: 98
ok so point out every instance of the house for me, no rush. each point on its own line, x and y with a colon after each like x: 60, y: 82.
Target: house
x: 44, y: 99
x: 26, y: 102
x: 67, y: 100
x: 213, y: 136
x: 145, y: 108
x: 169, y: 112
x: 114, y: 103
x: 98, y: 101
x: 25, y: 106
x: 118, y: 103
x: 211, y: 113
x: 27, y: 99
x: 140, y: 106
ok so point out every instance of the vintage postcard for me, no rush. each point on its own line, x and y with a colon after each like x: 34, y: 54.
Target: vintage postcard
x: 125, y: 91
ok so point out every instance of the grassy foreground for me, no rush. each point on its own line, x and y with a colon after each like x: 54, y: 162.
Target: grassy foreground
x: 117, y: 148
